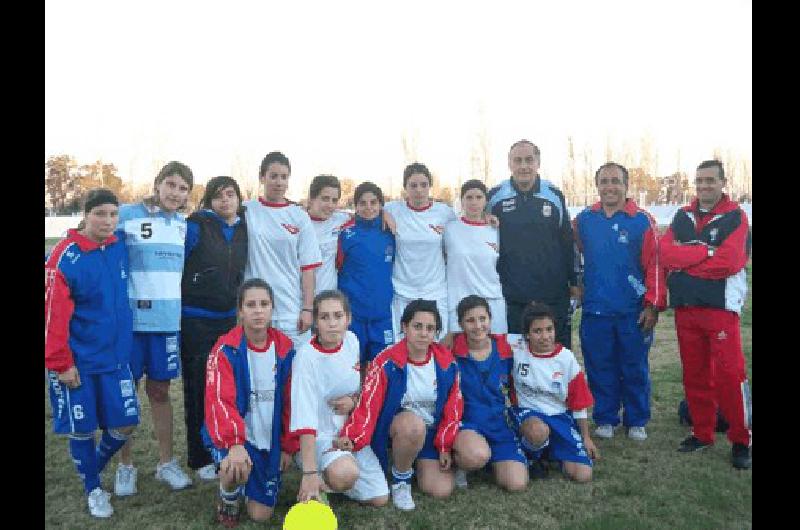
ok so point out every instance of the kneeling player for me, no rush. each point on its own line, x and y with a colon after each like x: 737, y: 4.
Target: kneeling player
x: 325, y: 386
x: 88, y: 335
x: 485, y: 362
x: 247, y: 393
x: 551, y: 395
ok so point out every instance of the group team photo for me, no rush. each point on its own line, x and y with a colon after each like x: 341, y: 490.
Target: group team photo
x: 393, y: 355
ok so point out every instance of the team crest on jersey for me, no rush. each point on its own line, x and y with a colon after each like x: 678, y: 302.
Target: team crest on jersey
x: 713, y: 234
x: 547, y: 210
x: 623, y: 237
x: 437, y: 228
x: 72, y: 256
x: 722, y: 335
x: 348, y: 233
x: 493, y: 245
x: 557, y: 375
x: 290, y: 228
x: 615, y: 227
x: 509, y: 205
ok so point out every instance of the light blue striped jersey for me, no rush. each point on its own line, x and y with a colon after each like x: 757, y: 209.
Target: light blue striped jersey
x: 155, y: 242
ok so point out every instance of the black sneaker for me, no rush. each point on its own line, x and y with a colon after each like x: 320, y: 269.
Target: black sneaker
x: 692, y: 444
x: 740, y: 456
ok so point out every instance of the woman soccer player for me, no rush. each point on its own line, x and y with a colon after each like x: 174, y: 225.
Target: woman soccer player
x: 154, y: 234
x: 282, y: 246
x: 485, y: 362
x: 472, y: 248
x: 246, y: 406
x: 216, y: 254
x: 325, y: 385
x: 411, y: 396
x: 551, y: 395
x: 87, y: 340
x: 365, y: 259
x: 323, y: 196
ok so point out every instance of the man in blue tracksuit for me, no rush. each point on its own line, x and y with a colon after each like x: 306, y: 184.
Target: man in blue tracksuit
x: 364, y: 259
x: 537, y: 253
x: 624, y: 288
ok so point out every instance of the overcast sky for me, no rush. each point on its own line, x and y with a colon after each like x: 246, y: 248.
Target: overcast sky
x: 336, y: 85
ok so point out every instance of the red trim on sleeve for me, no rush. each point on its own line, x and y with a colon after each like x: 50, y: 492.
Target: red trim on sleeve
x: 728, y: 259
x: 223, y: 422
x: 289, y: 442
x: 311, y: 266
x: 58, y: 309
x: 300, y: 432
x: 451, y: 418
x: 578, y: 395
x: 340, y: 257
x: 654, y: 275
x: 675, y: 256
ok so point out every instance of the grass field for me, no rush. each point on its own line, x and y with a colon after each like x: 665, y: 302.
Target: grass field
x: 636, y: 485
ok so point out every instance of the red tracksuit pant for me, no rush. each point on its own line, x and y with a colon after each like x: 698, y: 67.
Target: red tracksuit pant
x: 714, y: 372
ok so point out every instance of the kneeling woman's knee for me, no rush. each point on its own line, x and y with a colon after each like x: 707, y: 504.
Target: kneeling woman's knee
x: 441, y: 490
x: 536, y: 431
x: 126, y: 431
x: 342, y: 474
x: 409, y: 427
x: 377, y: 501
x: 258, y: 512
x: 581, y: 473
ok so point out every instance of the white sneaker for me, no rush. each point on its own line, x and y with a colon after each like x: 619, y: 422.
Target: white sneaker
x: 461, y: 478
x: 99, y: 505
x: 125, y: 481
x: 604, y: 431
x: 207, y: 472
x: 401, y: 496
x: 172, y: 474
x: 637, y: 433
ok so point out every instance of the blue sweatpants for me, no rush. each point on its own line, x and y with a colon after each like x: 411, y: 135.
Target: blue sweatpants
x: 615, y: 356
x: 374, y: 335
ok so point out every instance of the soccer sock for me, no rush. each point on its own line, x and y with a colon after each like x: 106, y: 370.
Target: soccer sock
x: 111, y: 442
x: 399, y: 476
x: 230, y: 497
x: 81, y: 447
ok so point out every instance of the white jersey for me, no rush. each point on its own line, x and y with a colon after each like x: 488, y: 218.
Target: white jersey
x: 318, y: 376
x: 327, y: 231
x: 472, y: 251
x: 258, y: 420
x: 420, y: 396
x: 280, y: 244
x: 419, y: 270
x: 550, y: 384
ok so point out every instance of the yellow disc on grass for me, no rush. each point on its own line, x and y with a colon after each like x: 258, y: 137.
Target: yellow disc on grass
x: 311, y: 515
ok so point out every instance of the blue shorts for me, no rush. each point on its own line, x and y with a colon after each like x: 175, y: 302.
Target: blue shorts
x: 105, y: 401
x: 258, y: 487
x: 157, y: 355
x: 503, y: 443
x: 566, y: 443
x: 428, y: 450
x: 374, y: 335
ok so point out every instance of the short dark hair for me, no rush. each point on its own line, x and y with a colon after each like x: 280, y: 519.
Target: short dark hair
x: 471, y: 302
x: 473, y: 184
x: 274, y: 156
x: 535, y: 311
x: 98, y: 196
x: 217, y: 184
x: 321, y: 182
x: 253, y: 283
x: 416, y: 167
x: 329, y: 294
x: 536, y: 151
x: 421, y: 306
x: 612, y: 164
x: 713, y: 163
x: 367, y: 187
x: 175, y: 168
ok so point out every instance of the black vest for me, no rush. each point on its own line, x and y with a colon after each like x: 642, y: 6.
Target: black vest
x: 214, y: 271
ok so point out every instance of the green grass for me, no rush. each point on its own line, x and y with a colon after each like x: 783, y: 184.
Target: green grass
x: 636, y: 485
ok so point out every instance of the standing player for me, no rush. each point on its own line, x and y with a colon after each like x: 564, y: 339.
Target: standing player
x: 472, y: 249
x: 419, y: 269
x: 87, y: 342
x: 154, y: 234
x: 412, y: 398
x: 551, y: 395
x: 247, y: 396
x: 216, y: 253
x: 325, y: 385
x: 485, y: 364
x: 323, y: 196
x: 282, y: 246
x: 365, y: 259
x: 624, y: 290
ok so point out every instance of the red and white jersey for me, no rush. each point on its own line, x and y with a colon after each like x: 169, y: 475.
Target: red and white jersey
x: 319, y: 375
x: 280, y: 244
x: 419, y: 270
x: 551, y: 383
x: 327, y: 231
x: 420, y: 396
x: 258, y: 420
x: 472, y: 250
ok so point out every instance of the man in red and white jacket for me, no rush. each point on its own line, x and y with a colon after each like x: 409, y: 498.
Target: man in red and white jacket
x: 705, y: 251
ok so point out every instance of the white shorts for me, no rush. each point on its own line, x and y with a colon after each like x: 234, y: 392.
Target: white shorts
x: 497, y: 306
x: 371, y: 481
x: 399, y: 304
